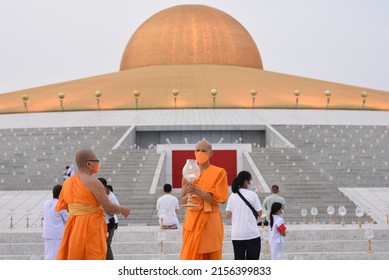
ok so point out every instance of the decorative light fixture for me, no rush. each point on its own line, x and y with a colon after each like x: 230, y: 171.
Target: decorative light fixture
x: 28, y: 214
x: 330, y: 212
x: 359, y: 212
x: 387, y: 214
x: 161, y: 236
x: 136, y: 94
x: 25, y: 99
x: 314, y: 212
x: 369, y: 235
x: 11, y: 213
x: 297, y: 93
x: 342, y: 212
x: 253, y: 93
x: 265, y: 236
x: 98, y: 95
x: 61, y: 96
x: 327, y: 93
x: 214, y: 93
x: 175, y: 93
x: 364, y: 95
x: 190, y: 171
x: 304, y: 213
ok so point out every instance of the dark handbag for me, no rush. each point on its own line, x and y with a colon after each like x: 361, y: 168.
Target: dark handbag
x: 111, y: 223
x: 248, y: 204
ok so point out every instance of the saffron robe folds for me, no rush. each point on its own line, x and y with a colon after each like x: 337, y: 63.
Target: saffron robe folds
x: 85, y: 233
x: 203, y: 230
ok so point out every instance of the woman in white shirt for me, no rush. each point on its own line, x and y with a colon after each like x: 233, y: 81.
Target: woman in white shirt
x: 277, y: 232
x: 245, y: 233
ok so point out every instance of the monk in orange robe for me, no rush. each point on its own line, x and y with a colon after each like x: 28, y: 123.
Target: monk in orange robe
x: 83, y: 195
x: 203, y: 231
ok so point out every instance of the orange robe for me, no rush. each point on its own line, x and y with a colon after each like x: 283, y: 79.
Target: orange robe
x: 85, y: 233
x: 203, y: 231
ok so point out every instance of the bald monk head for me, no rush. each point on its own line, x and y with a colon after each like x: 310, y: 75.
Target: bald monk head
x: 87, y: 161
x: 203, y: 152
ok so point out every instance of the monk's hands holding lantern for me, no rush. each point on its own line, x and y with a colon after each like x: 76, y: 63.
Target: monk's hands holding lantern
x: 194, y: 190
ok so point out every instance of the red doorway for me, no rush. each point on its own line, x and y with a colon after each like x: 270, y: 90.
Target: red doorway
x: 222, y: 158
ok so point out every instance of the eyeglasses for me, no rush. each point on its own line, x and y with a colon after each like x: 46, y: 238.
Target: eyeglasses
x: 93, y: 160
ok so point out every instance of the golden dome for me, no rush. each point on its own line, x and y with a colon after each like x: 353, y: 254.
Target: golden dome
x: 191, y: 34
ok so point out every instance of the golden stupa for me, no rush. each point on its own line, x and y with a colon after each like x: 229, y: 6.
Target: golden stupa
x: 192, y: 56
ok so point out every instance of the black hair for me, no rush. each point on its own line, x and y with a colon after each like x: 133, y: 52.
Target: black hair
x: 56, y: 191
x: 238, y: 181
x: 110, y: 188
x: 167, y: 188
x: 103, y: 181
x: 274, y: 208
x: 275, y: 189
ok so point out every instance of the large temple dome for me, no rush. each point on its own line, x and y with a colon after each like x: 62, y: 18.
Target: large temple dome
x: 191, y: 50
x: 191, y: 34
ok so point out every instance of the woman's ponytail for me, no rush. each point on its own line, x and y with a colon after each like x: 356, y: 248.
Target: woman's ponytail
x: 235, y: 186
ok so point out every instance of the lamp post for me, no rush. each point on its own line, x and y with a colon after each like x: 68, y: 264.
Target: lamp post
x: 175, y: 93
x: 364, y: 95
x: 11, y: 213
x: 342, y: 212
x: 327, y: 93
x: 214, y: 93
x: 369, y: 235
x: 304, y: 213
x: 161, y: 236
x: 314, y: 212
x: 359, y: 212
x: 387, y: 215
x: 297, y: 93
x: 253, y: 93
x: 263, y: 220
x: 25, y: 99
x: 330, y: 212
x: 136, y: 94
x: 265, y: 236
x: 98, y: 95
x: 28, y: 214
x: 61, y: 96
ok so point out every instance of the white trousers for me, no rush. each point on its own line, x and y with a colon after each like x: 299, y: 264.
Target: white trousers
x: 277, y: 250
x: 51, y: 248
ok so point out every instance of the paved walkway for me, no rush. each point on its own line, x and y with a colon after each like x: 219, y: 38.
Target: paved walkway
x: 20, y: 205
x: 25, y: 204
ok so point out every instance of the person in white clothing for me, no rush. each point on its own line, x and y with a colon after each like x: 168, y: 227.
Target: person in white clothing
x: 277, y: 232
x: 245, y: 234
x: 69, y: 172
x: 53, y: 224
x: 112, y: 221
x: 168, y: 205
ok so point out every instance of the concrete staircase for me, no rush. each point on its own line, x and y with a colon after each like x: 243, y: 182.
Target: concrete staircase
x: 301, y: 184
x: 35, y: 158
x: 309, y: 242
x: 325, y: 159
x: 130, y: 172
x: 353, y: 156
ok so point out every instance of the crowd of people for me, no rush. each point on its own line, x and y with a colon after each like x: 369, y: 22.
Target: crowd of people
x: 85, y: 208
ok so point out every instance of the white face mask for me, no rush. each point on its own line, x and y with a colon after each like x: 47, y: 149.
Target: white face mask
x: 250, y: 186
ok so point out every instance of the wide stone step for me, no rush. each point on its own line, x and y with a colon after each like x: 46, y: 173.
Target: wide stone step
x: 302, y: 241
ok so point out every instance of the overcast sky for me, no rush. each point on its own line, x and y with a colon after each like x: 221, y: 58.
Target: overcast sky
x: 50, y: 41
